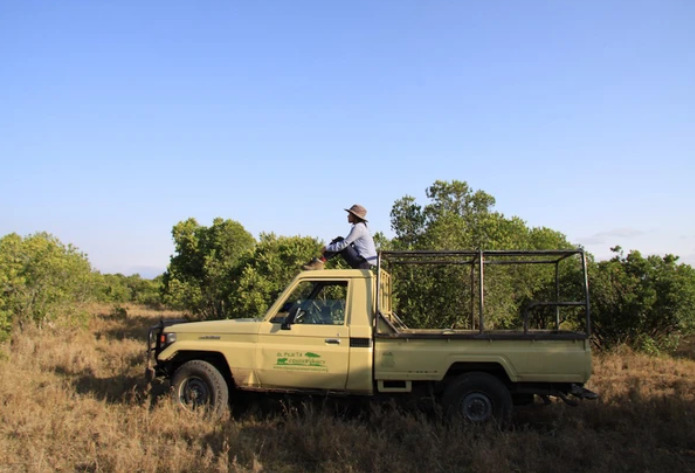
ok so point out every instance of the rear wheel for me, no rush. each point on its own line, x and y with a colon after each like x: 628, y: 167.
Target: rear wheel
x: 199, y: 385
x: 478, y: 398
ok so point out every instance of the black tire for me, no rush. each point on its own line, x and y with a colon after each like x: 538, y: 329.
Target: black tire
x: 199, y: 385
x: 478, y: 398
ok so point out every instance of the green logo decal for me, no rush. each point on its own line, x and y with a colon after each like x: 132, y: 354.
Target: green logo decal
x: 300, y: 361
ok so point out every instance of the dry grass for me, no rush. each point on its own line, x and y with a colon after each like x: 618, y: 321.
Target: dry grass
x: 76, y: 400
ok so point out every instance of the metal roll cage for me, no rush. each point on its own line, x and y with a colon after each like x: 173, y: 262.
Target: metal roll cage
x: 478, y: 260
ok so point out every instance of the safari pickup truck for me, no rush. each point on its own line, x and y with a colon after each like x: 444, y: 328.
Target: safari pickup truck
x: 337, y: 332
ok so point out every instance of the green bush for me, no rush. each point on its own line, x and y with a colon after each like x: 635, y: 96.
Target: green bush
x: 456, y: 217
x: 265, y: 272
x: 202, y: 273
x: 117, y: 288
x: 647, y: 303
x: 41, y: 280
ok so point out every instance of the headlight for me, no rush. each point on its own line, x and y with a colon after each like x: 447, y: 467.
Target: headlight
x: 166, y: 339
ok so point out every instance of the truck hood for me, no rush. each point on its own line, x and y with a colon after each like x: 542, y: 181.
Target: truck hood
x: 236, y: 326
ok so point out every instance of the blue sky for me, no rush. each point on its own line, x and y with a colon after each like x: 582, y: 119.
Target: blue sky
x: 120, y: 119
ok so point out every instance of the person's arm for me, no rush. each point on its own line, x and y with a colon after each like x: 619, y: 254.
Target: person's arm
x: 355, y: 232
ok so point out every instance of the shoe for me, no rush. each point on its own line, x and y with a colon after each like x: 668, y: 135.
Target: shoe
x: 314, y: 264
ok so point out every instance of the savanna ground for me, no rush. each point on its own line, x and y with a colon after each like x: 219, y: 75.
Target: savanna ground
x: 75, y: 399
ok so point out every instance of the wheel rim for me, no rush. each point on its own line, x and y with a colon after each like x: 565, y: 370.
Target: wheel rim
x: 476, y: 407
x: 194, y: 393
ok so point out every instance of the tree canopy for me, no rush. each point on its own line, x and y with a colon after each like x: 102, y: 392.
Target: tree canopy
x: 41, y: 279
x: 265, y: 272
x: 647, y: 303
x: 457, y: 217
x: 205, y: 269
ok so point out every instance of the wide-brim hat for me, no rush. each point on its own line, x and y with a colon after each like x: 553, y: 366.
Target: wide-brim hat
x: 358, y: 211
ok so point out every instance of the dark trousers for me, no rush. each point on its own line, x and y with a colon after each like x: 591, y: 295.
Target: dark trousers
x: 350, y: 255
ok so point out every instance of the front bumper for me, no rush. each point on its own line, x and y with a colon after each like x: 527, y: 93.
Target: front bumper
x: 153, y: 368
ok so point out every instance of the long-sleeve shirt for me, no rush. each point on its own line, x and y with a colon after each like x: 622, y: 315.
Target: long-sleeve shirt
x: 361, y: 240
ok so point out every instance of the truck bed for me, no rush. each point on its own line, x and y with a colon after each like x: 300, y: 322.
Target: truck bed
x: 540, y: 357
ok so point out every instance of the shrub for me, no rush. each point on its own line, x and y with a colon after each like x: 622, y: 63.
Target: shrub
x: 647, y: 303
x: 41, y: 279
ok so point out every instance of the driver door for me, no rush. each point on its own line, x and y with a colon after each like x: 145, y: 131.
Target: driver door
x: 308, y: 346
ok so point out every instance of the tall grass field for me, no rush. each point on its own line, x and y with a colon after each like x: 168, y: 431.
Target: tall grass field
x: 76, y: 400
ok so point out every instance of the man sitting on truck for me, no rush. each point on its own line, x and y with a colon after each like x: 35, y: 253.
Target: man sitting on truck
x: 357, y: 249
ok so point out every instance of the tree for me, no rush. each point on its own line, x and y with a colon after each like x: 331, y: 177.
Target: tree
x: 267, y: 271
x: 647, y: 303
x: 459, y: 218
x: 118, y: 288
x: 41, y: 280
x: 201, y: 275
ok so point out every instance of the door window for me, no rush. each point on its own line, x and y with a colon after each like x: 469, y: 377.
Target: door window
x: 317, y: 303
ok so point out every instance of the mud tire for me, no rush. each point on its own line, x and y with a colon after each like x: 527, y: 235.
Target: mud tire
x: 478, y: 398
x: 197, y: 384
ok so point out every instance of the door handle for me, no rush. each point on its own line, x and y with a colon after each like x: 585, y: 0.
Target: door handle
x: 332, y: 341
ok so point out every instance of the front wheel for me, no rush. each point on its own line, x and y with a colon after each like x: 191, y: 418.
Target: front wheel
x: 478, y: 398
x: 199, y: 385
